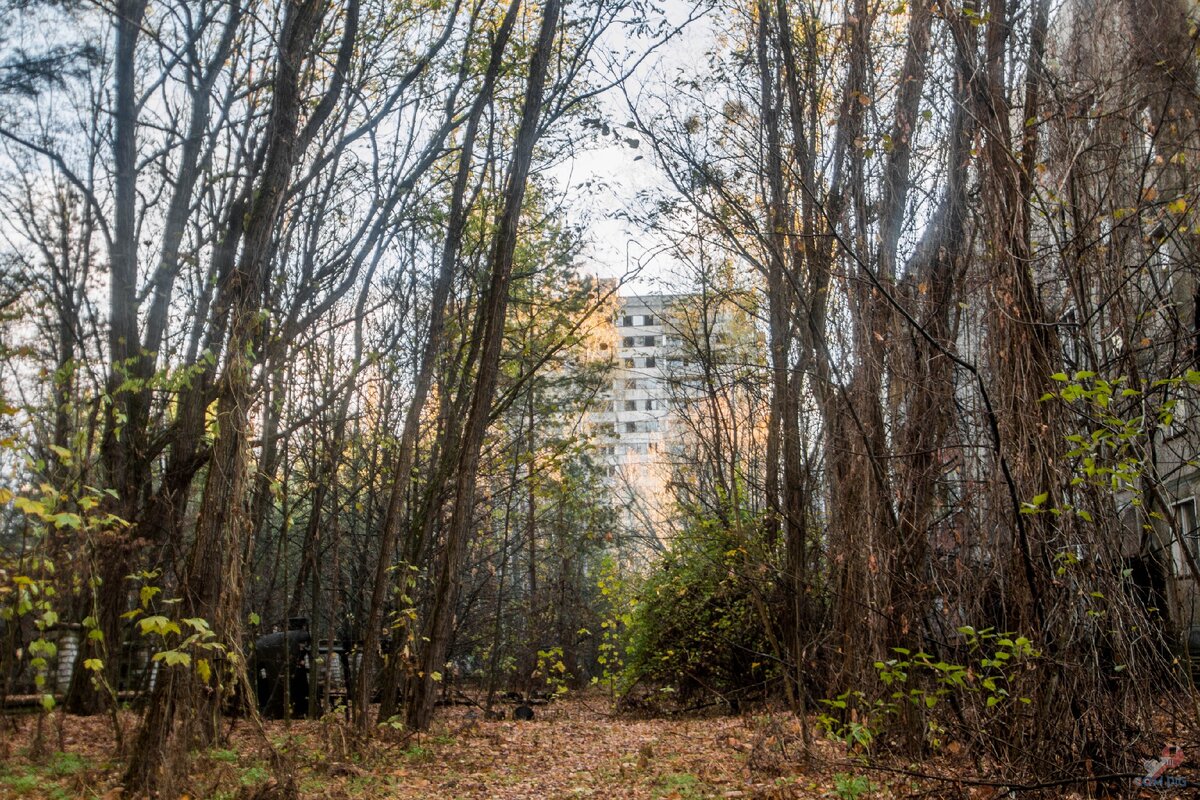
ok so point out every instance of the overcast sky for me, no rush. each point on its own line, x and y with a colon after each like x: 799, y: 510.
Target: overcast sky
x: 602, y: 182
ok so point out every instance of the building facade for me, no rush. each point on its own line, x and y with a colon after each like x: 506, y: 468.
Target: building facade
x: 631, y: 421
x: 679, y: 365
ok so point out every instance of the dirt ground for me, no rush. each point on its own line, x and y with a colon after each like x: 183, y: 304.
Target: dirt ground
x: 572, y: 749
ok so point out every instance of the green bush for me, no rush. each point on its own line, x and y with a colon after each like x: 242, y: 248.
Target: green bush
x: 695, y: 629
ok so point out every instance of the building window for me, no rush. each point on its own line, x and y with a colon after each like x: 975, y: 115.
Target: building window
x: 649, y: 405
x: 627, y: 341
x: 648, y: 319
x: 627, y: 322
x: 629, y: 363
x: 1185, y: 521
x: 649, y: 341
x: 631, y: 383
x: 630, y: 427
x: 650, y: 362
x: 631, y: 405
x: 1179, y: 408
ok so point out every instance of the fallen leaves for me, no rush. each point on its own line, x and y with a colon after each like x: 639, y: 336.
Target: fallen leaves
x: 574, y: 749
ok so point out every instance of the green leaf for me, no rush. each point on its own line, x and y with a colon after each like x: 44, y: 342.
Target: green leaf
x: 33, y: 508
x: 94, y: 664
x: 67, y: 520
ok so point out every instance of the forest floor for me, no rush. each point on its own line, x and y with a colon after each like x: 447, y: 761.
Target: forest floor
x: 572, y: 749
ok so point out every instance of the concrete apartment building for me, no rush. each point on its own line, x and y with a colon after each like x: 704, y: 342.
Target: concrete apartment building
x: 632, y: 420
x: 645, y: 423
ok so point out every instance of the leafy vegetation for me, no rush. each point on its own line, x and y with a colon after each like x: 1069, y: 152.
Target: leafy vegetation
x: 695, y: 630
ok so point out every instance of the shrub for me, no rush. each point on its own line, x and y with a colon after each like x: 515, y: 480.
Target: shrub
x: 695, y: 629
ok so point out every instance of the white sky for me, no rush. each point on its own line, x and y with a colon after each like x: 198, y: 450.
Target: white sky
x: 601, y: 182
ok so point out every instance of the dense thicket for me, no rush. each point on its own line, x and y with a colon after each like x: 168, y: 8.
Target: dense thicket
x: 282, y: 309
x: 966, y: 233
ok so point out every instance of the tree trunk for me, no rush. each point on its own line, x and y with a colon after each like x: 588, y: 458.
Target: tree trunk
x: 212, y: 581
x: 402, y: 474
x: 492, y: 315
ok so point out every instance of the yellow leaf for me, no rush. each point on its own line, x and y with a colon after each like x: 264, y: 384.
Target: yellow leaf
x: 31, y: 507
x: 158, y: 624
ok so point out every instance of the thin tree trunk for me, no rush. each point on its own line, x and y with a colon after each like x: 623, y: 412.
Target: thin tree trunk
x: 492, y: 314
x: 406, y: 456
x: 212, y: 581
